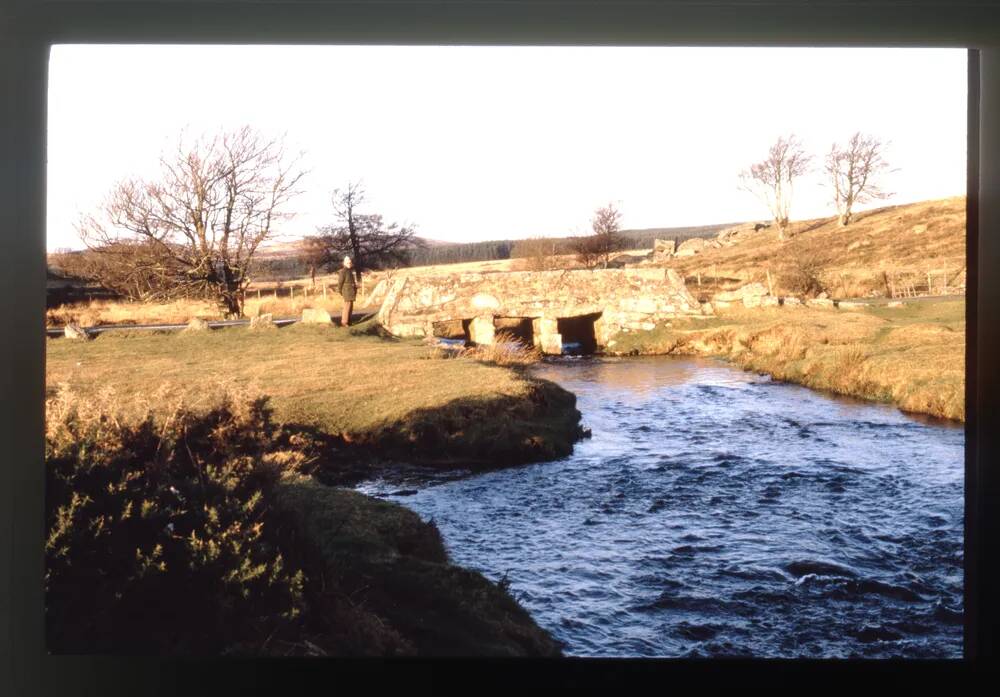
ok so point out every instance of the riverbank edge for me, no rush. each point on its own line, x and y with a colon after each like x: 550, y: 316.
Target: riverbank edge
x: 406, y: 597
x: 736, y: 343
x: 390, y: 588
x: 478, y: 435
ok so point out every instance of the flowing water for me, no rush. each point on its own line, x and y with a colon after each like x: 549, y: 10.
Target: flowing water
x: 718, y: 513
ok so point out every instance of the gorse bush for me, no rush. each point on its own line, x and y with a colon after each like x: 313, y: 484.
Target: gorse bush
x: 161, y: 537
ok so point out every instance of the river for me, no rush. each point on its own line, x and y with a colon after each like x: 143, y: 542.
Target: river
x: 716, y: 512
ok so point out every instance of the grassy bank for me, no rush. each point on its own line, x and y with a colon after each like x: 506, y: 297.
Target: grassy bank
x: 911, y: 356
x: 397, y: 593
x: 349, y: 387
x: 197, y: 532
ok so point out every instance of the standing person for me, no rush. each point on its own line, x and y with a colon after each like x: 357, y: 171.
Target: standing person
x: 347, y: 286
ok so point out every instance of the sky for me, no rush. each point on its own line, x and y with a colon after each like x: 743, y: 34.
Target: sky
x: 478, y: 143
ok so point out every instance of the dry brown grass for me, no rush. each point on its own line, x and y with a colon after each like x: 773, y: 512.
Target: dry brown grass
x: 341, y: 381
x: 507, y: 350
x: 107, y: 312
x: 913, y: 356
x: 914, y: 237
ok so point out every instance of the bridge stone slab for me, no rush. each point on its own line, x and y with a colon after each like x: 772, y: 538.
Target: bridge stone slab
x: 618, y: 298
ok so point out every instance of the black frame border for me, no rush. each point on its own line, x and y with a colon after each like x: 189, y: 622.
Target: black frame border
x: 27, y: 29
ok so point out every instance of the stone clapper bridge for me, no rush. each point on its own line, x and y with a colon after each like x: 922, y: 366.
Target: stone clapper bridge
x: 547, y: 309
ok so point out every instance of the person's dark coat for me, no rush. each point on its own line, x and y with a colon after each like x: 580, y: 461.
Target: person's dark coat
x: 347, y: 285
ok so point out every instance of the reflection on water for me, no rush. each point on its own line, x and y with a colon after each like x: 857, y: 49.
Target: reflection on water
x: 715, y: 512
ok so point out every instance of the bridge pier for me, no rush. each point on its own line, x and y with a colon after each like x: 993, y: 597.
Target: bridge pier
x: 546, y: 336
x: 482, y: 330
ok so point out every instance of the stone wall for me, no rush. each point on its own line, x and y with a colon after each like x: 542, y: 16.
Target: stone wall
x: 618, y: 298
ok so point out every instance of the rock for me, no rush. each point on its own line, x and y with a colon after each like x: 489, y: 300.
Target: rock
x: 750, y: 289
x: 315, y: 315
x: 918, y: 229
x: 482, y: 330
x: 791, y: 301
x: 485, y: 301
x: 895, y: 303
x: 551, y: 344
x: 769, y: 301
x: 663, y: 249
x: 265, y: 321
x: 75, y: 331
x: 738, y: 233
x: 852, y: 305
x: 819, y: 302
x: 751, y: 300
x: 197, y: 324
x: 690, y: 247
x: 706, y: 308
x: 822, y: 296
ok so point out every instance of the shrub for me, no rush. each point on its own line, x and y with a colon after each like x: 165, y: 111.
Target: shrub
x: 802, y: 274
x: 161, y: 536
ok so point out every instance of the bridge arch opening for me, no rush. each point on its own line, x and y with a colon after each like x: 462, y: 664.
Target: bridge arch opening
x: 578, y: 334
x: 450, y: 329
x: 518, y: 327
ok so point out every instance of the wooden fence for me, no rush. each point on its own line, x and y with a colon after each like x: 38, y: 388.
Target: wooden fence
x: 911, y: 283
x: 300, y: 290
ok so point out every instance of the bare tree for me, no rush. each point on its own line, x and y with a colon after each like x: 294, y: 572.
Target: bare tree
x: 771, y: 179
x: 369, y: 242
x: 134, y: 269
x: 201, y: 222
x: 606, y: 240
x: 538, y: 253
x: 587, y: 250
x: 852, y: 169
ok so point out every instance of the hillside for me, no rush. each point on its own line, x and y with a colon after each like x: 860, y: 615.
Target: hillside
x: 886, y: 251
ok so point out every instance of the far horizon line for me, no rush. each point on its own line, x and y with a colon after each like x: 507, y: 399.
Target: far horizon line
x: 293, y: 238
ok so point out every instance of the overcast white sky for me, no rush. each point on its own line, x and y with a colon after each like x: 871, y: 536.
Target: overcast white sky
x: 475, y: 143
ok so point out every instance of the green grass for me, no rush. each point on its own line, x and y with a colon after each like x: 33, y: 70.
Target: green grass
x: 350, y: 384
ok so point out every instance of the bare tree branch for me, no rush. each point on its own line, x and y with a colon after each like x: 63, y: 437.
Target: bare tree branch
x: 852, y: 169
x: 606, y: 240
x: 365, y: 237
x: 771, y: 179
x: 201, y: 221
